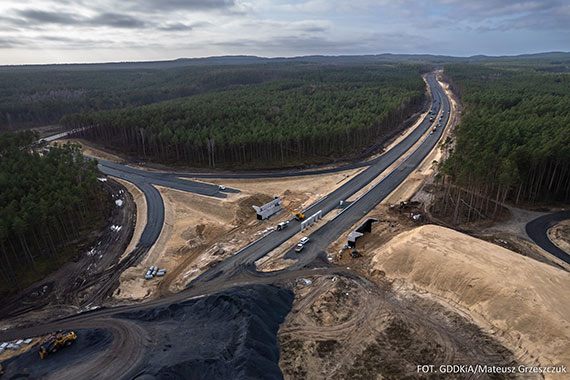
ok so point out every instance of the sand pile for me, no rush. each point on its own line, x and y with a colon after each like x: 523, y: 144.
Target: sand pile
x: 525, y: 301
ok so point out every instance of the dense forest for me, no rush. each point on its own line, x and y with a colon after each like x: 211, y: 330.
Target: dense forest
x: 323, y: 112
x: 513, y: 142
x: 31, y: 98
x: 49, y: 197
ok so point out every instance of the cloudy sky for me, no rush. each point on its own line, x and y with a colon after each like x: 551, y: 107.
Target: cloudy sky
x: 51, y: 31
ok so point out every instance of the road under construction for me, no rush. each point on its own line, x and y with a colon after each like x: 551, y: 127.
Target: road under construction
x: 134, y: 349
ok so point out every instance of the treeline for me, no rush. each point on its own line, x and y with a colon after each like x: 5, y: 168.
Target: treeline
x: 513, y: 142
x: 321, y: 113
x: 49, y: 197
x: 32, y: 98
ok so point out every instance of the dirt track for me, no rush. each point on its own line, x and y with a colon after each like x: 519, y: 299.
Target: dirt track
x: 350, y: 328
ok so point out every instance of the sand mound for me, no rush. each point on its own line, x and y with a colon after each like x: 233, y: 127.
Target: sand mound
x: 525, y: 299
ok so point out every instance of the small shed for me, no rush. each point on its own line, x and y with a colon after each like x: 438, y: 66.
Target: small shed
x: 359, y: 231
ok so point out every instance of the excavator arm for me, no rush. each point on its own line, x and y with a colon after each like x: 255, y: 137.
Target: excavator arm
x: 299, y: 215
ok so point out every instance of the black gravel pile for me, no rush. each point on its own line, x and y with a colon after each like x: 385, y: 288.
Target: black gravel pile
x: 228, y: 335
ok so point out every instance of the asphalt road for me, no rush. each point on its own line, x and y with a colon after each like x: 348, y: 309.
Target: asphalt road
x: 537, y: 230
x: 145, y: 180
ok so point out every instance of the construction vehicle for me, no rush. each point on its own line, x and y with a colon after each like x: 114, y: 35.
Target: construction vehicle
x: 282, y: 225
x: 54, y: 343
x: 298, y: 215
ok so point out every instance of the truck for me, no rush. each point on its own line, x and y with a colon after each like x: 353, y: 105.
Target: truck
x: 57, y: 342
x: 282, y: 225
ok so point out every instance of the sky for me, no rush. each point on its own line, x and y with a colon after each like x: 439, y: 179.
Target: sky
x: 64, y: 31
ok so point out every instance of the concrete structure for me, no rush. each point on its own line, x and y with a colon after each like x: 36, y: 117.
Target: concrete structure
x: 311, y: 220
x: 268, y: 209
x: 359, y: 231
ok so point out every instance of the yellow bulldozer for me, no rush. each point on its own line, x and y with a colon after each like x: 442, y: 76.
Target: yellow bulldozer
x: 56, y: 342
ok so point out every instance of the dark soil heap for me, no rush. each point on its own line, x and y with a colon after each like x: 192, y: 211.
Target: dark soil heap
x: 228, y: 335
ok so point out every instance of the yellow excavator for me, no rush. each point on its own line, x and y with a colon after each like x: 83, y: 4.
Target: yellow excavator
x: 298, y: 215
x: 57, y: 342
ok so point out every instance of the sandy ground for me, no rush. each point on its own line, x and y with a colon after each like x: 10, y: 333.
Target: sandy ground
x: 90, y: 150
x: 9, y: 353
x: 560, y: 235
x: 200, y: 231
x: 296, y: 192
x: 48, y: 130
x: 350, y: 328
x: 519, y: 300
x: 183, y: 231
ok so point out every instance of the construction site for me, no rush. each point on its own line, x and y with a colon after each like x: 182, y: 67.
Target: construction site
x: 335, y: 272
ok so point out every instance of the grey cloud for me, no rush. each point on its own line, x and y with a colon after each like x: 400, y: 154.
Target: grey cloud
x: 321, y: 45
x: 6, y: 43
x: 554, y: 19
x: 117, y: 20
x: 557, y: 18
x: 478, y: 10
x: 59, y: 42
x: 180, y: 27
x: 169, y: 5
x: 49, y: 17
x: 314, y: 29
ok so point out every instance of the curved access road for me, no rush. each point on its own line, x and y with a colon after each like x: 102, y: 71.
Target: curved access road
x: 145, y: 181
x: 537, y: 230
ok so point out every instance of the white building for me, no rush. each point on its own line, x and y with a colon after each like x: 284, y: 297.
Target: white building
x: 268, y: 209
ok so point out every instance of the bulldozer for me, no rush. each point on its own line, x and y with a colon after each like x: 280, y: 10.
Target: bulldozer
x: 56, y: 342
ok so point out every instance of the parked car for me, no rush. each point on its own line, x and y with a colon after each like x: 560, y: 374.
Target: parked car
x: 299, y: 248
